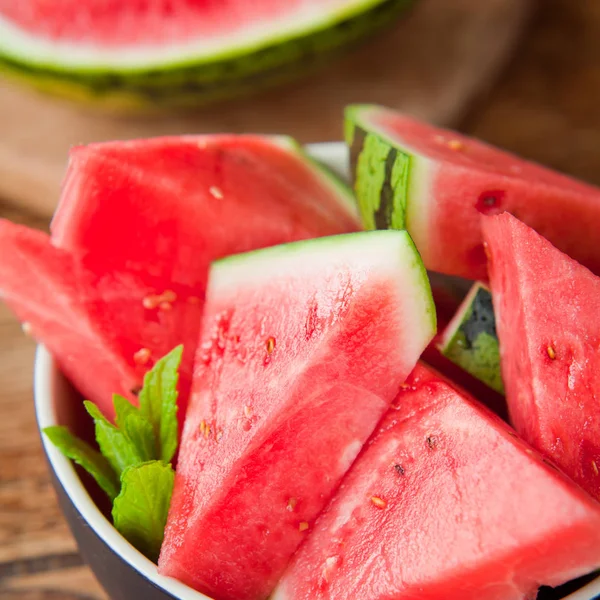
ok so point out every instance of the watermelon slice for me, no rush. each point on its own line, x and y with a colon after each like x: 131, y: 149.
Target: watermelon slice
x: 445, y: 502
x: 177, y: 52
x: 304, y: 347
x: 143, y: 220
x: 470, y: 339
x: 77, y: 314
x: 547, y: 308
x: 437, y: 183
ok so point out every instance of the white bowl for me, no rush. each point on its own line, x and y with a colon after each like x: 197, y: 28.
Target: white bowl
x: 120, y: 568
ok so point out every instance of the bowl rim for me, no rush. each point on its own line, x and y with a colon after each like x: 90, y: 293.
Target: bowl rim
x: 47, y: 392
x: 47, y: 388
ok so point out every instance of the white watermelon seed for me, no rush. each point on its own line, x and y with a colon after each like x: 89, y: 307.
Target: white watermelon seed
x: 248, y: 411
x: 26, y: 327
x: 151, y: 302
x: 291, y: 505
x: 378, y: 502
x: 456, y: 145
x: 168, y: 296
x: 215, y: 192
x: 142, y: 356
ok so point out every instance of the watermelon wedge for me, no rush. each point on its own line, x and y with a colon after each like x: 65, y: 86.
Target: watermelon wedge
x: 438, y: 183
x: 81, y: 317
x: 179, y: 52
x: 143, y: 220
x: 445, y: 502
x: 547, y: 308
x: 470, y: 339
x: 303, y: 348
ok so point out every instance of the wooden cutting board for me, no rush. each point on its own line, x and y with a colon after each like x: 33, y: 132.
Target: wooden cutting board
x: 432, y: 64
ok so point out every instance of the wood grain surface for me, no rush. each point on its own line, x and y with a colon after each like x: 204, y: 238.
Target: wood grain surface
x: 433, y: 64
x: 546, y: 107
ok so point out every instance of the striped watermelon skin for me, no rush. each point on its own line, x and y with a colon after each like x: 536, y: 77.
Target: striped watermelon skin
x: 438, y: 183
x: 189, y: 79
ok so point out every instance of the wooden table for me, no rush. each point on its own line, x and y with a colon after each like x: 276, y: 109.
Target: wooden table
x: 547, y: 107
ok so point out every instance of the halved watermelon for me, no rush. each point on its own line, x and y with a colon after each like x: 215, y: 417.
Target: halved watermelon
x: 438, y: 183
x: 144, y: 219
x: 178, y: 51
x: 547, y: 308
x: 445, y: 502
x: 470, y: 339
x: 303, y: 348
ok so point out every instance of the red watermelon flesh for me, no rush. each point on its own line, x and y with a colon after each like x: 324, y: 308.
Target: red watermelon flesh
x: 454, y: 179
x: 303, y: 348
x: 445, y: 502
x: 458, y: 376
x: 138, y: 23
x: 547, y: 309
x: 185, y: 201
x: 79, y: 316
x: 150, y: 215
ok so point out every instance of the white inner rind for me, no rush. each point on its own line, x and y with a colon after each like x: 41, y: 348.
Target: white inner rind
x: 383, y: 251
x: 303, y: 19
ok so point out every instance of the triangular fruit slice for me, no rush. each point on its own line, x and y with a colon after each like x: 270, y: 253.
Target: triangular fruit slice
x: 80, y: 317
x: 437, y: 183
x: 147, y: 217
x: 304, y: 347
x: 547, y: 315
x: 445, y: 502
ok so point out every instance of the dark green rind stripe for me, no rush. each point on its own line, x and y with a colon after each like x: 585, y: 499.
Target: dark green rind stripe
x: 191, y: 84
x: 473, y: 342
x: 380, y: 174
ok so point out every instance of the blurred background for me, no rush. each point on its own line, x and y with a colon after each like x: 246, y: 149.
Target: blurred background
x: 521, y: 74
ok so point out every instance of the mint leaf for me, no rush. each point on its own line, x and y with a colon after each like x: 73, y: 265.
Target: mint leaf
x: 136, y: 427
x: 141, y: 434
x: 115, y: 446
x: 85, y: 456
x: 140, y: 510
x: 158, y: 402
x: 122, y: 408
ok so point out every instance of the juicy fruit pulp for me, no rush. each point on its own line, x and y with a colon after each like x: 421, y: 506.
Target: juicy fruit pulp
x: 121, y: 292
x: 547, y: 308
x: 303, y: 348
x: 438, y: 183
x: 445, y: 502
x: 73, y: 312
x: 470, y: 339
x: 176, y: 52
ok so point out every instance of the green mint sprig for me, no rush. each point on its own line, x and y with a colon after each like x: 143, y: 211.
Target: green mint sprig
x: 133, y: 465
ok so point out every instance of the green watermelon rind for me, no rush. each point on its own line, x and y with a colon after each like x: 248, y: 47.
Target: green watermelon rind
x: 193, y: 81
x: 394, y: 245
x: 471, y: 345
x: 388, y: 179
